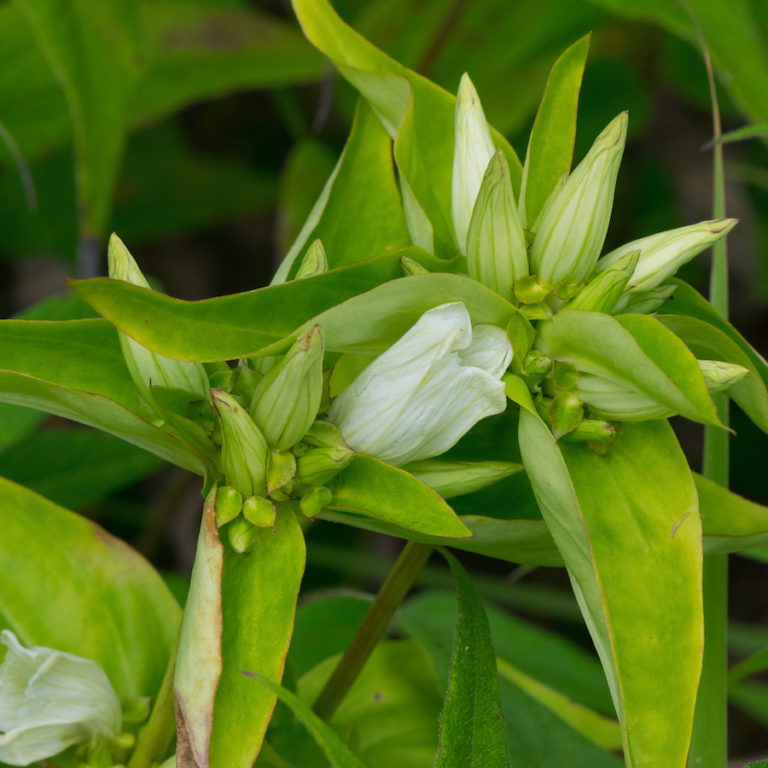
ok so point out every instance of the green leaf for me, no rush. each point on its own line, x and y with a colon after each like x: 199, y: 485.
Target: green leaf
x: 550, y: 147
x: 372, y: 488
x: 357, y: 311
x: 94, y: 52
x: 739, y: 134
x: 390, y: 713
x: 628, y: 528
x: 259, y: 592
x: 362, y: 215
x: 471, y: 722
x: 709, y: 342
x: 75, y: 467
x: 67, y: 574
x: 418, y: 114
x: 730, y: 522
x: 633, y: 349
x: 333, y: 747
x: 239, y: 617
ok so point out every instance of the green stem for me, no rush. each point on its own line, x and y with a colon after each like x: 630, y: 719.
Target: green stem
x: 709, y: 742
x: 396, y: 586
x: 156, y: 736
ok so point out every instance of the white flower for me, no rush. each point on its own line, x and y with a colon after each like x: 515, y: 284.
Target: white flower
x: 434, y: 384
x: 50, y: 700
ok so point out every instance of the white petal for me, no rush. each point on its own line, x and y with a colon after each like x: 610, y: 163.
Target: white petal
x: 23, y: 746
x: 16, y: 670
x: 490, y: 350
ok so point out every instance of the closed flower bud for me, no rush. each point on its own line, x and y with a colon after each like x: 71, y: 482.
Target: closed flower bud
x: 661, y: 255
x: 420, y: 396
x: 286, y: 400
x: 496, y: 250
x: 281, y: 468
x: 565, y: 413
x: 456, y: 478
x: 243, y: 447
x: 412, y: 267
x: 50, y: 700
x: 242, y: 535
x: 571, y: 231
x: 603, y: 292
x: 260, y: 512
x: 229, y: 502
x: 472, y: 152
x: 646, y: 302
x: 323, y: 455
x: 147, y: 368
x: 719, y: 376
x: 315, y: 262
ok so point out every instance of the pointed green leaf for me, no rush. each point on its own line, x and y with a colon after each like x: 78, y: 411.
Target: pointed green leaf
x: 550, y: 148
x: 635, y: 350
x: 333, y: 747
x: 471, y: 722
x: 372, y: 488
x: 67, y: 574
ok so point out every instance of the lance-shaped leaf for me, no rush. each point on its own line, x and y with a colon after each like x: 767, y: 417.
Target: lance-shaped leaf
x: 86, y: 578
x: 635, y: 350
x: 75, y: 369
x: 239, y: 616
x: 628, y: 528
x: 418, y: 114
x: 550, y: 148
x: 372, y: 488
x: 471, y: 722
x: 362, y: 307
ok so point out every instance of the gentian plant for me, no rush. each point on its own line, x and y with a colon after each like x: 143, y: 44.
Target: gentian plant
x: 460, y: 332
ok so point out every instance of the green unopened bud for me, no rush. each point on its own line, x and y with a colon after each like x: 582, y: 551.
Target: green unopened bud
x: 243, y: 447
x: 281, y: 468
x: 719, y: 376
x: 592, y: 430
x: 536, y: 366
x: 135, y: 710
x: 456, y: 478
x: 242, y: 536
x: 531, y: 290
x: 315, y: 500
x: 286, y: 400
x: 564, y: 376
x: 260, y: 512
x: 315, y: 262
x: 603, y: 292
x: 246, y: 380
x: 565, y: 413
x: 540, y: 311
x: 661, y: 255
x: 411, y: 267
x: 148, y: 368
x: 496, y: 250
x: 229, y: 502
x: 124, y: 741
x: 572, y: 231
x: 472, y: 152
x: 324, y: 456
x: 617, y: 401
x: 646, y: 302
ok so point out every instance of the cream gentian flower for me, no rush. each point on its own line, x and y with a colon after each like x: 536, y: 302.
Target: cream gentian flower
x: 50, y: 700
x: 427, y: 390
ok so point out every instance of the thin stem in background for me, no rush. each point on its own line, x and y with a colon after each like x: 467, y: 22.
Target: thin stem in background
x: 396, y: 586
x: 709, y: 742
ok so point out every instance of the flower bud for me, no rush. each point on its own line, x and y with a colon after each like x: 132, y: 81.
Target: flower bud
x: 472, y: 152
x: 229, y: 502
x: 242, y: 535
x: 427, y: 390
x: 496, y: 250
x: 412, y: 267
x: 565, y: 413
x: 323, y: 455
x: 457, y: 478
x: 530, y: 290
x: 260, y: 512
x: 571, y: 232
x: 148, y: 368
x: 661, y: 255
x: 315, y: 262
x: 616, y: 401
x: 51, y: 700
x: 536, y: 366
x: 281, y: 468
x: 603, y: 292
x: 243, y: 447
x: 719, y: 376
x: 286, y: 400
x: 646, y: 302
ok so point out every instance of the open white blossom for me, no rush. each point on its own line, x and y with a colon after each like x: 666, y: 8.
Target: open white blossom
x: 418, y: 398
x: 50, y: 700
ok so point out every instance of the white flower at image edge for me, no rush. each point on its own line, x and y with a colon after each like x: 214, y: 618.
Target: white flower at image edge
x: 50, y: 700
x: 427, y: 390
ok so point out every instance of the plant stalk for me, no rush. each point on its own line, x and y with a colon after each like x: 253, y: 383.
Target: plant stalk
x: 156, y: 736
x: 394, y: 589
x: 709, y: 741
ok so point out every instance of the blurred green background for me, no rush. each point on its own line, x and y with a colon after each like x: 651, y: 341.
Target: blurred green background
x: 201, y: 131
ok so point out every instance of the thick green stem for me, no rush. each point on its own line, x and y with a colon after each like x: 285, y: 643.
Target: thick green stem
x: 709, y: 742
x: 396, y: 586
x: 156, y: 736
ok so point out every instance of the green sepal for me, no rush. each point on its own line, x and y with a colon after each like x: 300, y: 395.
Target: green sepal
x: 281, y: 469
x: 229, y: 502
x: 565, y: 413
x: 260, y: 512
x: 531, y: 290
x: 242, y: 535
